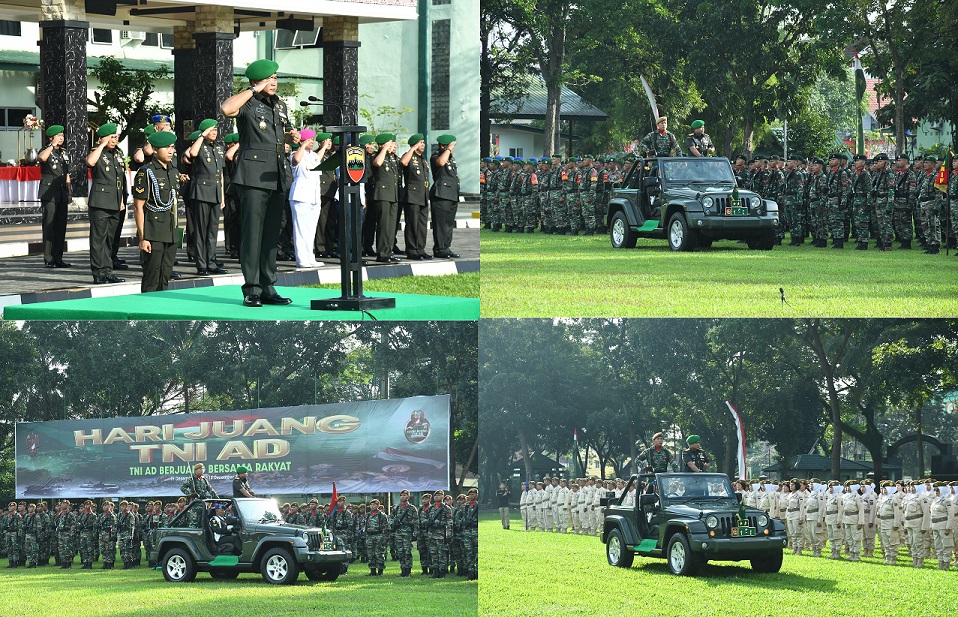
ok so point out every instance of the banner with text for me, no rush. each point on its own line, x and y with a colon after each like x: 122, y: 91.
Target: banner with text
x: 365, y: 447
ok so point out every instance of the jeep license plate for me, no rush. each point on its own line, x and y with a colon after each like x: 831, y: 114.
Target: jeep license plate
x: 743, y: 532
x: 736, y: 211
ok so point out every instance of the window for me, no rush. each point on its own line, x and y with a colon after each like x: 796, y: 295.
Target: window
x: 297, y: 39
x: 12, y: 118
x: 102, y: 36
x: 152, y: 40
x: 440, y: 74
x: 166, y: 41
x: 9, y: 28
x: 515, y: 152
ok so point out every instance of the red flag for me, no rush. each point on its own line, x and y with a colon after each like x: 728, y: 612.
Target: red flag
x: 332, y: 505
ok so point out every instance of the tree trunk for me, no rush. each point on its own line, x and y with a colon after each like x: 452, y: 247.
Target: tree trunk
x: 748, y: 132
x: 551, y: 136
x: 729, y: 136
x: 524, y: 450
x: 921, y: 448
x: 467, y: 465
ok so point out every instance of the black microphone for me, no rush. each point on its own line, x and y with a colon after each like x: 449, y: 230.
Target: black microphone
x: 304, y: 103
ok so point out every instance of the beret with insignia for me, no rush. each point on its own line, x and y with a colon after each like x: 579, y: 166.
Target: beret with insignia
x: 56, y: 129
x: 206, y: 124
x: 415, y: 139
x: 385, y: 138
x: 107, y: 129
x: 445, y: 140
x: 194, y: 136
x: 366, y: 138
x: 261, y: 69
x: 162, y: 139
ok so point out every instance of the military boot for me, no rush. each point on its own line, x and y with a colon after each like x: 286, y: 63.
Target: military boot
x: 905, y: 244
x: 372, y: 572
x: 32, y: 564
x: 474, y: 575
x: 862, y: 246
x: 107, y: 566
x: 404, y: 573
x: 435, y: 573
x: 838, y: 243
x: 127, y: 565
x: 487, y: 226
x: 67, y: 565
x: 380, y: 571
x: 87, y: 566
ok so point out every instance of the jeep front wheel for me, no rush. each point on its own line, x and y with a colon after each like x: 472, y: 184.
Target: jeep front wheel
x: 768, y: 564
x: 617, y: 552
x: 620, y: 233
x: 178, y: 566
x: 680, y: 236
x: 682, y: 560
x: 279, y: 567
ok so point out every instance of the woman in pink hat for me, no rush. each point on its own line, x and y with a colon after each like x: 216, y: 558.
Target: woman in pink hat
x: 305, y: 194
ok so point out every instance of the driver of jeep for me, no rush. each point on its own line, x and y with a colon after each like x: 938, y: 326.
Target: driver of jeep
x: 224, y: 532
x: 677, y: 489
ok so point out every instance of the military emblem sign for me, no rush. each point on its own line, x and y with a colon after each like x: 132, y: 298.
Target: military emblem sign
x: 417, y: 429
x: 355, y: 163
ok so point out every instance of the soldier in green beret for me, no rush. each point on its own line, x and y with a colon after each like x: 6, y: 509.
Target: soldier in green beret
x: 231, y: 218
x: 698, y: 143
x: 415, y: 200
x: 55, y: 192
x: 107, y: 203
x: 159, y: 122
x: 154, y: 201
x: 444, y: 196
x: 694, y: 459
x: 369, y: 218
x: 385, y: 196
x: 263, y: 177
x: 206, y: 191
x: 326, y: 242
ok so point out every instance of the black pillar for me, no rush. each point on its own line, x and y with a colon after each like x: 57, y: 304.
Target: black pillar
x: 341, y: 82
x: 213, y: 76
x: 63, y: 82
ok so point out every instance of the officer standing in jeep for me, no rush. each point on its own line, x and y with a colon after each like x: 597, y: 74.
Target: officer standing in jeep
x: 698, y: 143
x: 657, y: 458
x: 694, y: 459
x: 198, y: 487
x: 660, y: 142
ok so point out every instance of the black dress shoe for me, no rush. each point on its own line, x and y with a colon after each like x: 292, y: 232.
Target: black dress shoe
x: 201, y: 272
x: 414, y: 257
x: 61, y: 264
x: 112, y: 278
x: 253, y: 301
x: 395, y: 259
x: 120, y: 260
x: 120, y: 266
x: 397, y: 251
x: 217, y: 271
x: 426, y: 257
x: 382, y: 260
x: 48, y: 264
x: 452, y: 255
x: 174, y: 276
x: 275, y: 299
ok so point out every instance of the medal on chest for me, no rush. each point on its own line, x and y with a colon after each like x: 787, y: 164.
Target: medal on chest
x: 262, y: 124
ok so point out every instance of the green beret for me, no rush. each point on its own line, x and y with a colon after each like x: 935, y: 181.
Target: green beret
x: 242, y: 469
x: 384, y: 138
x: 261, y: 69
x: 162, y: 139
x: 697, y: 124
x: 931, y: 157
x: 107, y: 129
x: 231, y: 138
x: 693, y: 439
x: 323, y: 136
x: 149, y: 130
x: 194, y: 136
x: 208, y: 123
x: 415, y: 139
x: 366, y: 138
x: 445, y: 140
x: 56, y: 129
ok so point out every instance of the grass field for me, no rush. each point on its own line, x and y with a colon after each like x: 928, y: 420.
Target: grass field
x: 144, y: 592
x: 549, y: 276
x: 457, y: 285
x: 542, y: 574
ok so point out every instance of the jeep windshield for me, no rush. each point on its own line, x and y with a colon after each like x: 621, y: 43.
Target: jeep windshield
x: 260, y: 511
x: 702, y: 490
x: 698, y: 170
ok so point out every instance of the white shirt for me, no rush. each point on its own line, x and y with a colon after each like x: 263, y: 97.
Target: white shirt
x: 305, y: 182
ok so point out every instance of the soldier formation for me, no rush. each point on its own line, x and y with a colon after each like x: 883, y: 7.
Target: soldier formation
x: 872, y: 200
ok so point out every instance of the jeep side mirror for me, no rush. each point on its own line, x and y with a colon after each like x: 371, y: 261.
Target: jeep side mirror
x: 650, y: 182
x: 648, y: 500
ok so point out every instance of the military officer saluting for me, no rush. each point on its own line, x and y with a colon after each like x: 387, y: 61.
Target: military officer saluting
x: 385, y: 196
x: 415, y: 202
x: 262, y: 179
x: 698, y: 143
x: 154, y: 202
x: 206, y: 188
x: 694, y: 458
x: 444, y: 196
x: 55, y: 192
x: 107, y: 202
x: 161, y: 122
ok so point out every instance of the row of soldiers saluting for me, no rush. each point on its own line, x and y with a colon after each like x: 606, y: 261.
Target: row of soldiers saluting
x: 872, y: 199
x: 560, y: 196
x: 922, y: 515
x: 31, y: 534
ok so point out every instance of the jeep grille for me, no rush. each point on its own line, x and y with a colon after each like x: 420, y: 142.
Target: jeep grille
x: 721, y: 203
x: 727, y: 522
x: 314, y: 540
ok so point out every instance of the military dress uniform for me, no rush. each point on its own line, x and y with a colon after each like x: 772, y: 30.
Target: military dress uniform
x: 942, y: 514
x: 813, y: 516
x: 155, y: 184
x: 415, y: 203
x: 54, y: 196
x: 888, y: 521
x: 206, y: 191
x: 444, y: 198
x: 106, y: 205
x: 833, y: 520
x: 387, y: 181
x: 853, y: 521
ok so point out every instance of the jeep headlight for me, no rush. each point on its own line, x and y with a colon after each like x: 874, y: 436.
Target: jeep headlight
x: 708, y: 203
x: 711, y: 522
x: 763, y: 521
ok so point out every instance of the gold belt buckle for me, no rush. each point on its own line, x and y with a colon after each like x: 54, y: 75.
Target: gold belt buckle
x: 118, y: 184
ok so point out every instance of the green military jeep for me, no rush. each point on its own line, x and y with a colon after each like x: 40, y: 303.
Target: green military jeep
x: 689, y: 519
x: 690, y: 201
x: 260, y: 542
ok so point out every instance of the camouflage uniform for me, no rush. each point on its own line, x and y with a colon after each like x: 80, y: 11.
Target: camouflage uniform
x: 658, y: 460
x: 484, y: 195
x: 920, y: 177
x: 603, y: 191
x: 566, y: 192
x: 575, y: 206
x: 929, y: 203
x: 455, y: 544
x: 422, y: 542
x: 44, y: 535
x: 14, y: 523
x: 108, y: 534
x: 545, y: 197
x: 839, y: 187
x: 470, y: 536
x: 530, y: 198
x: 514, y: 204
x: 658, y: 143
x: 405, y: 524
x: 774, y: 190
x: 201, y: 488
x: 52, y: 519
x: 904, y: 199
x: 87, y: 527
x: 32, y: 526
x: 883, y: 185
x: 492, y: 195
x: 590, y: 184
x: 377, y: 526
x: 341, y: 521
x: 794, y: 198
x: 953, y: 200
x: 817, y: 208
x: 440, y: 518
x: 67, y: 537
x: 862, y: 205
x: 125, y: 525
x: 359, y: 536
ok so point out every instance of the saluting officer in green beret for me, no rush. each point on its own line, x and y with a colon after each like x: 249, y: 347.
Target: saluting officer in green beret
x: 206, y: 189
x: 160, y: 122
x: 55, y: 193
x: 154, y: 202
x: 263, y: 177
x: 107, y: 203
x: 370, y: 216
x: 415, y: 197
x: 444, y: 196
x: 385, y: 197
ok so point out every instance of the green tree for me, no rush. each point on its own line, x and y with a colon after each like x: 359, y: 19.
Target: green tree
x: 124, y: 95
